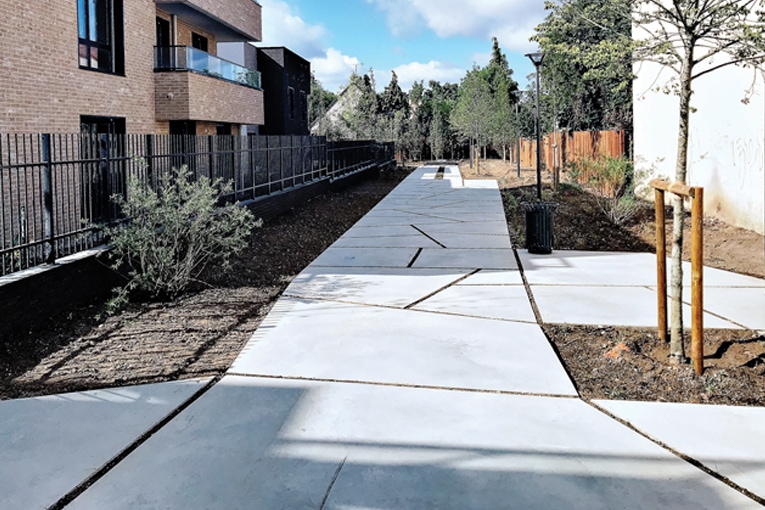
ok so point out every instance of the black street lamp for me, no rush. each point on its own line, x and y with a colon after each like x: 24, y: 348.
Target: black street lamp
x: 539, y: 214
x: 536, y: 58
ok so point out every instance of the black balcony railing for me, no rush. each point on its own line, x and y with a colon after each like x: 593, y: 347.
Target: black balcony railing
x: 186, y: 58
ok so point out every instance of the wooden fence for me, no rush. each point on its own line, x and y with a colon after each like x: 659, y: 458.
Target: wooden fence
x: 561, y: 147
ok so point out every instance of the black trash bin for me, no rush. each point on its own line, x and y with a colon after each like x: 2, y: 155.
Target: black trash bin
x: 539, y: 226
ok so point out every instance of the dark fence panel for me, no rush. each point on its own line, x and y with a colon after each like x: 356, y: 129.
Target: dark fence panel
x: 55, y: 190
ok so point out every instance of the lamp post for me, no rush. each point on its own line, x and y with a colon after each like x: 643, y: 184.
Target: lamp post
x: 536, y: 58
x: 539, y: 214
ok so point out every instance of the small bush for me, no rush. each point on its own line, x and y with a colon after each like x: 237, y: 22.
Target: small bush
x: 173, y: 232
x: 612, y: 181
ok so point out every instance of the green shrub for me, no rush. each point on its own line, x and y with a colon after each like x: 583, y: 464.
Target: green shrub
x: 612, y: 181
x: 173, y: 232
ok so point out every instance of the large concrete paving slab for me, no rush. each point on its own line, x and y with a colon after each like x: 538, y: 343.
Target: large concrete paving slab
x: 480, y: 258
x: 725, y: 439
x: 490, y: 227
x: 51, y: 444
x: 491, y: 302
x: 365, y: 257
x: 472, y: 241
x: 381, y: 231
x: 714, y: 277
x: 278, y: 444
x: 742, y: 305
x: 617, y: 306
x: 589, y: 268
x: 404, y: 220
x: 564, y: 267
x: 336, y: 341
x: 492, y: 277
x: 380, y: 286
x: 409, y: 241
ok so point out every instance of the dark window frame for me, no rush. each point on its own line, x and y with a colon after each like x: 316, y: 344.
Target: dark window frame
x: 106, y: 39
x: 200, y: 42
x: 291, y: 102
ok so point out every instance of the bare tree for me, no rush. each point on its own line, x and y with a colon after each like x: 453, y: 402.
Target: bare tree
x: 694, y: 38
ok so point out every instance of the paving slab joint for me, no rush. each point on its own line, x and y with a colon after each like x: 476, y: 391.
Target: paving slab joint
x: 414, y: 259
x: 540, y: 322
x: 404, y: 385
x: 429, y: 236
x: 104, y: 470
x: 690, y: 460
x: 332, y: 483
x: 450, y: 285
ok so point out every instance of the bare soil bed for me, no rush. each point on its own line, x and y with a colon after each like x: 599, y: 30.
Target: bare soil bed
x: 201, y: 333
x: 632, y: 363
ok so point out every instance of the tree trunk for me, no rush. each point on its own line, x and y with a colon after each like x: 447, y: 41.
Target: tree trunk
x: 676, y: 346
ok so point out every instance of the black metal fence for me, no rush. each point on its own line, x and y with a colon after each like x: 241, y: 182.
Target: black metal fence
x: 56, y: 189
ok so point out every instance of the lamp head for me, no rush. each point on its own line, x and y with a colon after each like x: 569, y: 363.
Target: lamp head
x: 536, y: 58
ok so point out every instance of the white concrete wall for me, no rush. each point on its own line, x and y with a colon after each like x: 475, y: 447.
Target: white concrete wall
x: 727, y: 139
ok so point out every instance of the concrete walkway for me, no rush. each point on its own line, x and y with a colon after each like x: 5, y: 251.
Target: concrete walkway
x: 404, y: 369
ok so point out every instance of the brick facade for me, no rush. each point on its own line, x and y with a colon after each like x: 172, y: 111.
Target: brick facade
x: 46, y: 91
x: 243, y: 16
x: 182, y: 96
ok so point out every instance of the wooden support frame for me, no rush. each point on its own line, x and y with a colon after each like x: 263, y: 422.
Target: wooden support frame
x: 697, y: 264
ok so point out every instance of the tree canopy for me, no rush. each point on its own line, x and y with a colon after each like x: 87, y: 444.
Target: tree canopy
x: 587, y: 70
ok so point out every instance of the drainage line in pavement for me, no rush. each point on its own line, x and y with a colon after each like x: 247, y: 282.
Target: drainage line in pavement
x: 690, y: 460
x: 416, y: 256
x: 428, y: 236
x: 332, y: 484
x: 84, y: 485
x: 455, y: 282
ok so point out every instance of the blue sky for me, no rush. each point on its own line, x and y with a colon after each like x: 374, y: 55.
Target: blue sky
x: 419, y: 39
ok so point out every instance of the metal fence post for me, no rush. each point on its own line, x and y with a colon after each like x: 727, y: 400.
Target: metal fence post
x: 50, y: 256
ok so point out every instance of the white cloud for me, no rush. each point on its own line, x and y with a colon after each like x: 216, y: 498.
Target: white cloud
x: 334, y: 69
x: 283, y: 26
x: 511, y: 21
x: 417, y: 71
x: 403, y: 16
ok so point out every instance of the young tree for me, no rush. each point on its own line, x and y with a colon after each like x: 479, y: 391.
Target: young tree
x: 472, y: 114
x: 694, y: 38
x: 503, y: 90
x: 318, y: 101
x: 394, y: 112
x: 363, y: 119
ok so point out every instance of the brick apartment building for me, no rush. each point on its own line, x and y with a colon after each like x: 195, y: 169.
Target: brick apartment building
x: 127, y: 66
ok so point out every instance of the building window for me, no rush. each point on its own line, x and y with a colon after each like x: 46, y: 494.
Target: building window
x: 101, y: 40
x: 303, y: 105
x: 199, y: 42
x: 291, y: 99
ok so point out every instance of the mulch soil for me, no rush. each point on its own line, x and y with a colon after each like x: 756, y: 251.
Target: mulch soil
x: 202, y: 332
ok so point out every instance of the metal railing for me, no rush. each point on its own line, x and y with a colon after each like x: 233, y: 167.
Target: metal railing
x: 55, y: 190
x: 186, y: 58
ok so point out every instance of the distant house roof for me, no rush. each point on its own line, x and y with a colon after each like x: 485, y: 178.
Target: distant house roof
x: 334, y: 117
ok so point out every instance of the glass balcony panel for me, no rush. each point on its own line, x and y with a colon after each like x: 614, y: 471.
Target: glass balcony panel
x: 180, y: 58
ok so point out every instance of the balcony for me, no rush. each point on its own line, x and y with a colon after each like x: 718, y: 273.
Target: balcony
x: 186, y: 58
x: 229, y: 20
x: 193, y: 85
